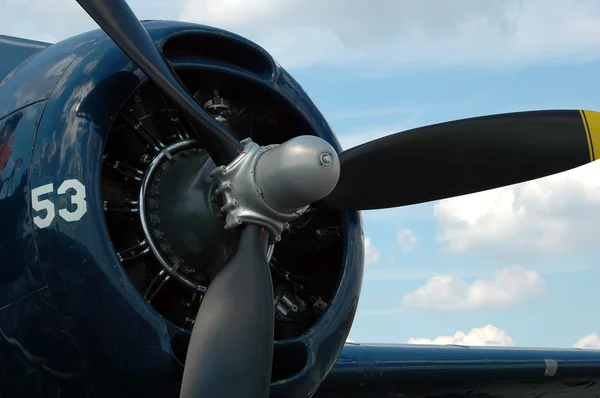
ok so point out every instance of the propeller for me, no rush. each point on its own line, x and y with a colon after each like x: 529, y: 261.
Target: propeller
x: 464, y: 156
x: 231, y: 347
x: 240, y: 297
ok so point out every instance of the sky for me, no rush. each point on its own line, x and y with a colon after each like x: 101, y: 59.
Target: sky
x: 514, y: 266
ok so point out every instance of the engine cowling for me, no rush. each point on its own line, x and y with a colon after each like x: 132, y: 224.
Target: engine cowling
x: 125, y: 267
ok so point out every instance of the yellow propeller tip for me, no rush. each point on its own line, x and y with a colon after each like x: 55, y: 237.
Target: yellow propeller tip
x: 591, y: 124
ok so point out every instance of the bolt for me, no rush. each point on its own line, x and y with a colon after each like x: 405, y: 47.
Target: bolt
x: 146, y: 159
x: 326, y: 159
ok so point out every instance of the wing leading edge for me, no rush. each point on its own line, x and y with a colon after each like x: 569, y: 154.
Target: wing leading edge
x: 373, y: 370
x: 15, y: 50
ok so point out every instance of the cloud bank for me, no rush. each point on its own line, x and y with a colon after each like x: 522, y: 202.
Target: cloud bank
x: 590, y: 341
x: 395, y: 33
x: 372, y: 254
x: 488, y: 335
x: 555, y: 214
x: 381, y: 34
x: 510, y: 287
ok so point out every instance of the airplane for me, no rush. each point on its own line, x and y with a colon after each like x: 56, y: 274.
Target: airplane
x: 181, y: 220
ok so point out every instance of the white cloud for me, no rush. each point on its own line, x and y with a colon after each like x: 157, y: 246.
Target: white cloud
x: 55, y: 20
x: 590, y: 341
x: 401, y: 32
x: 551, y: 215
x: 378, y: 34
x: 372, y: 254
x: 407, y: 240
x: 488, y: 335
x: 510, y: 287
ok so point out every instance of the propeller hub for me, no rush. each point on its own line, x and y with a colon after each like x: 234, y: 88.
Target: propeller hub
x: 273, y: 185
x: 298, y: 172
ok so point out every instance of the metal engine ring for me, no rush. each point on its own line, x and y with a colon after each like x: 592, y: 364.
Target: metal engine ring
x: 145, y: 212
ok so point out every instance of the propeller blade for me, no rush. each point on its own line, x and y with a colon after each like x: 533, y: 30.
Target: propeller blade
x: 231, y: 347
x: 464, y: 156
x: 122, y: 26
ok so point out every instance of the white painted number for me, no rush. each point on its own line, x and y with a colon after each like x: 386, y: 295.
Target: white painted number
x: 41, y: 205
x: 77, y: 198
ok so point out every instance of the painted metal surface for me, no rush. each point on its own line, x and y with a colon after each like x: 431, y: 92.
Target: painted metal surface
x: 35, y: 79
x: 20, y: 272
x: 15, y: 51
x: 37, y: 356
x: 80, y: 85
x: 368, y: 370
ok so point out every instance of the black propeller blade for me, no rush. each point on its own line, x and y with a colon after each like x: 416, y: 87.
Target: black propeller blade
x: 464, y: 156
x: 231, y: 347
x: 226, y: 356
x: 122, y: 26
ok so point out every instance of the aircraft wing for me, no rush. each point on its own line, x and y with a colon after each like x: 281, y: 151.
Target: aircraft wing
x: 370, y: 370
x: 15, y: 50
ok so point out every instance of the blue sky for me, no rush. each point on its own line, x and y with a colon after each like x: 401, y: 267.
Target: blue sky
x: 513, y: 266
x: 559, y: 314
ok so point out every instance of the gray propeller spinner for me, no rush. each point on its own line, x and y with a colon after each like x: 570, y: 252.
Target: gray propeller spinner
x: 275, y: 184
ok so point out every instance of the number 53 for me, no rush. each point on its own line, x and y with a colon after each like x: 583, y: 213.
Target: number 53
x: 78, y: 199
